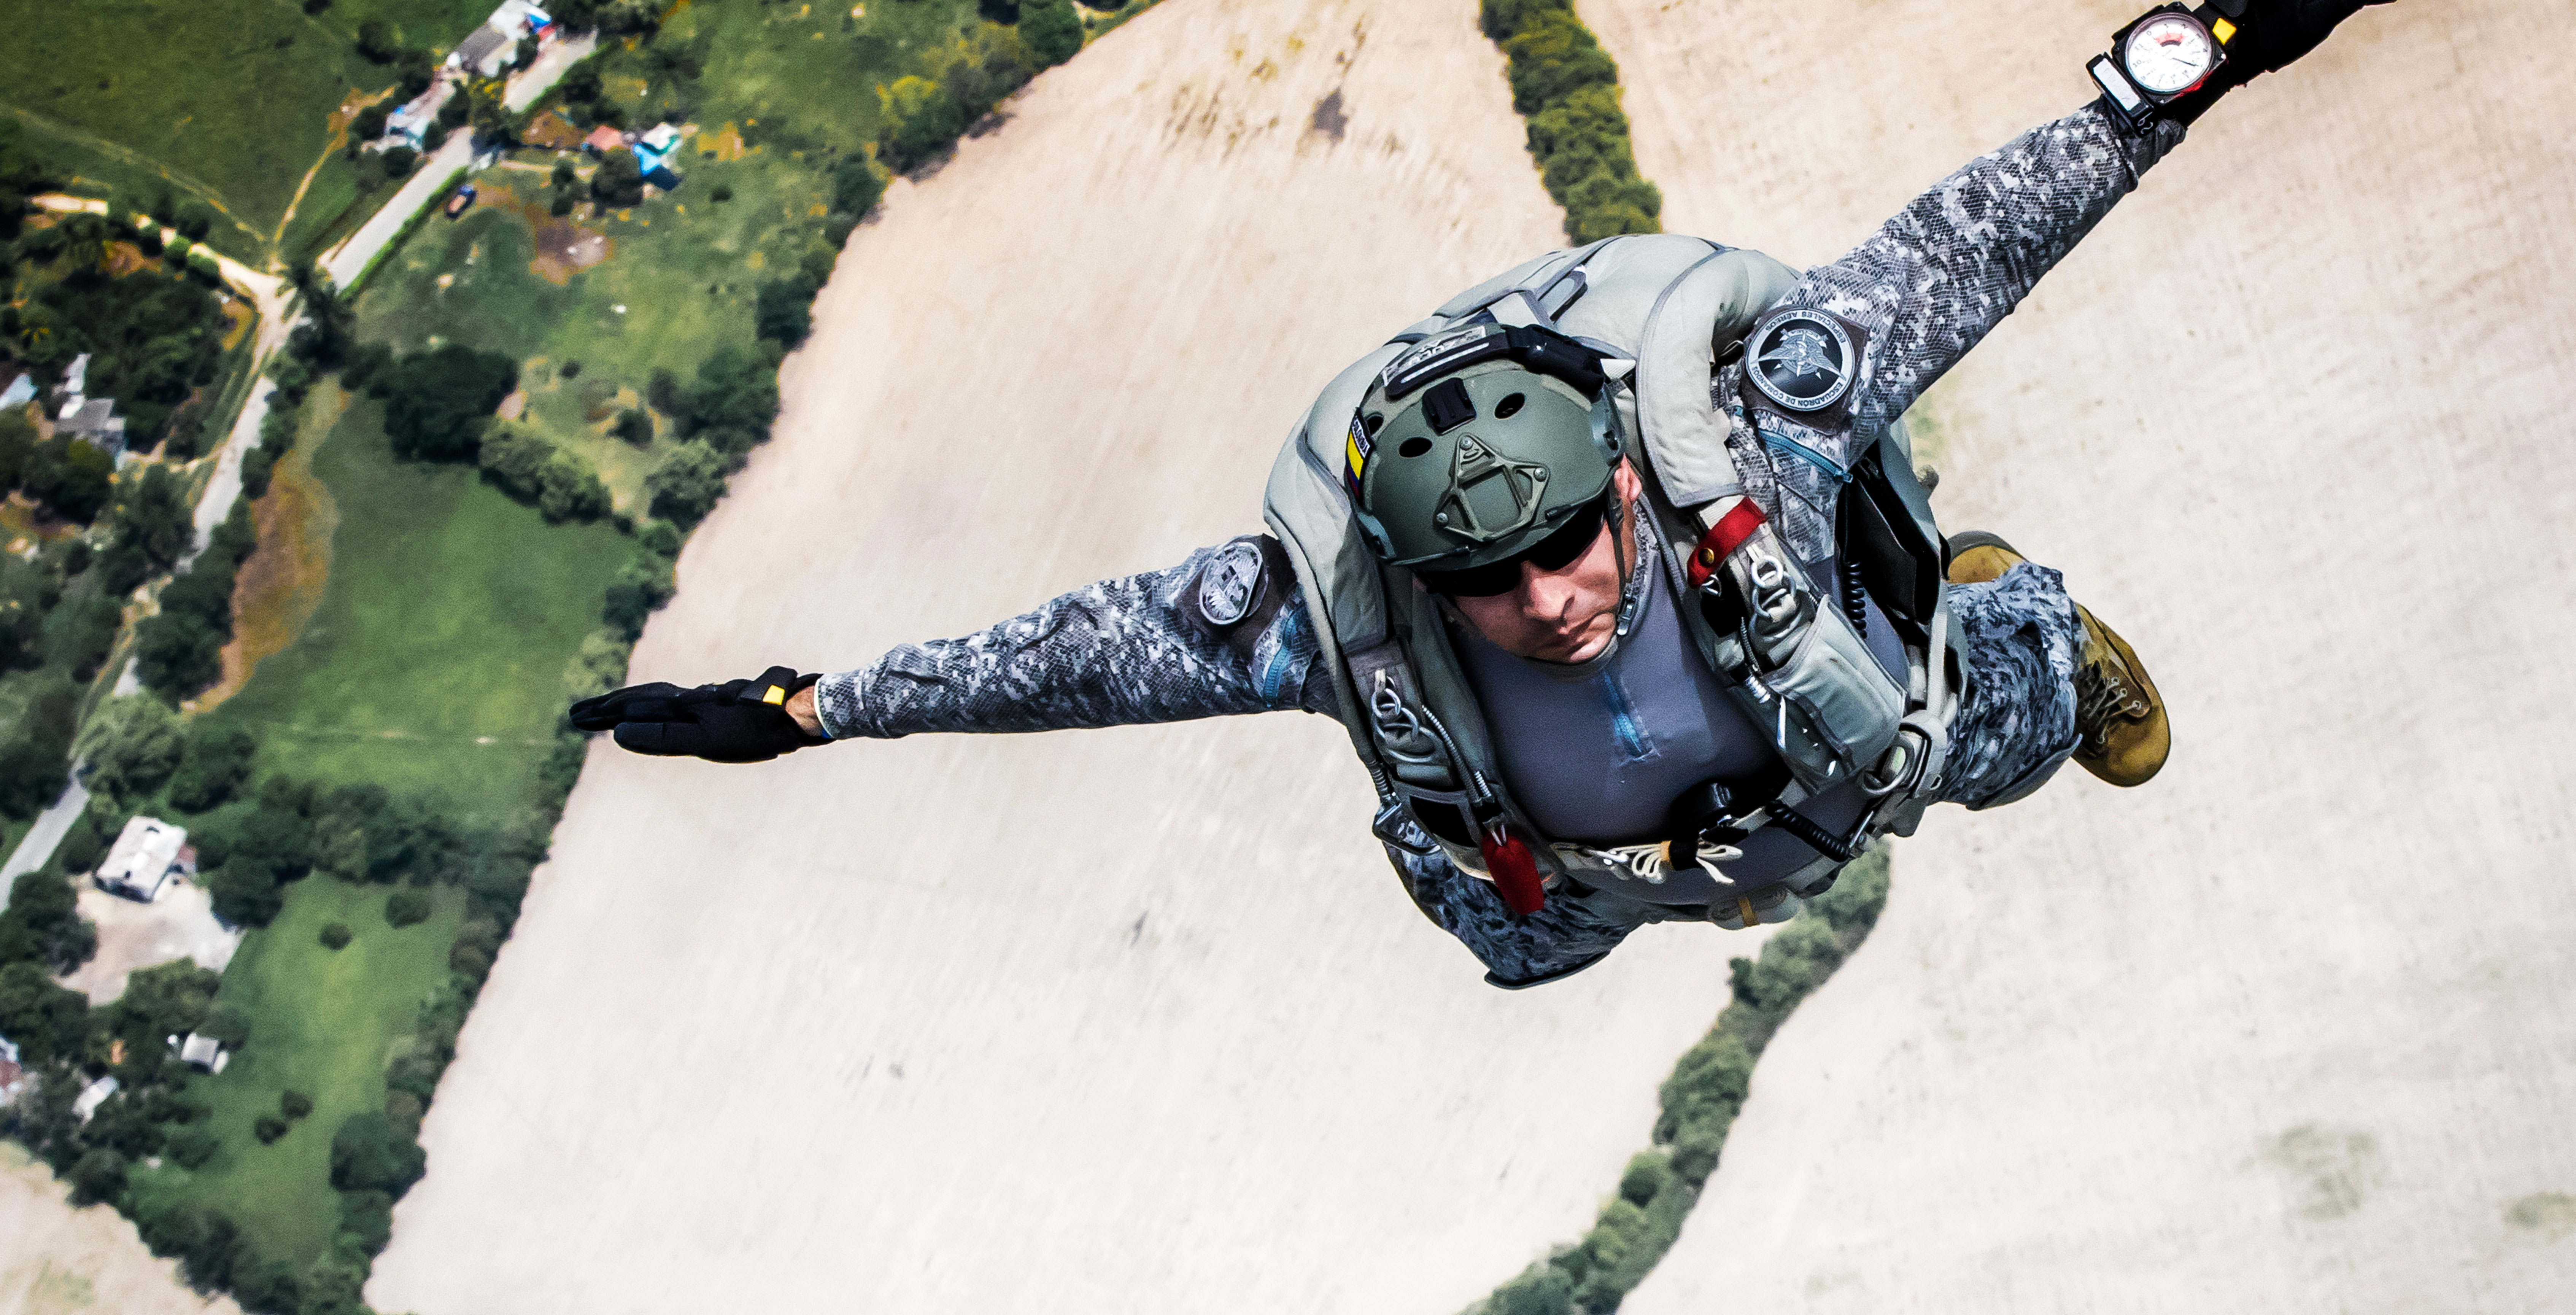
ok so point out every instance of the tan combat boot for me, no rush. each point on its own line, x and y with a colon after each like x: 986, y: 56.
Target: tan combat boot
x: 2118, y: 715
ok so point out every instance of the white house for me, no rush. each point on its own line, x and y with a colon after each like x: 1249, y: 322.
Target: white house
x: 20, y: 391
x: 146, y: 855
x: 75, y: 379
x: 93, y: 1096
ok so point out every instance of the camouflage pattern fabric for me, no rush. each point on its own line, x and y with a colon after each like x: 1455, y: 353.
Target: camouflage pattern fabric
x: 1928, y: 286
x: 1116, y: 653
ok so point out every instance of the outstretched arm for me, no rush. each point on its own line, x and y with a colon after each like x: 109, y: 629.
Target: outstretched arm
x: 1133, y: 650
x: 1224, y: 632
x: 1941, y: 274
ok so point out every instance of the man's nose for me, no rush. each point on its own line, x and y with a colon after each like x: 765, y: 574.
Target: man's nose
x: 1545, y: 594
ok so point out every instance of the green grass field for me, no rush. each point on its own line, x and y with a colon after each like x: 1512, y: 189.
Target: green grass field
x: 435, y: 661
x: 225, y: 100
x: 322, y: 1023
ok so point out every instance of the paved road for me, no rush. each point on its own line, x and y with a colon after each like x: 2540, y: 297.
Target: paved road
x: 348, y: 262
x: 532, y: 81
x: 38, y: 844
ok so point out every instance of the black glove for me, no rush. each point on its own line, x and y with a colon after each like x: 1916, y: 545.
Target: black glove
x: 2271, y: 33
x: 739, y: 721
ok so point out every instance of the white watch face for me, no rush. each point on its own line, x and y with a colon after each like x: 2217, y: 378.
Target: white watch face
x: 2168, y: 53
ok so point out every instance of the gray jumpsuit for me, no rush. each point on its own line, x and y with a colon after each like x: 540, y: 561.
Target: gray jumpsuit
x: 1927, y: 286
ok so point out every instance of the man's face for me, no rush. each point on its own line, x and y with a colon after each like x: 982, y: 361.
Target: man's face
x: 1564, y: 615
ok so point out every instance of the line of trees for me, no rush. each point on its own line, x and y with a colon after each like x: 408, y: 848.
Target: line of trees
x: 1564, y: 83
x: 180, y: 651
x: 1699, y: 1104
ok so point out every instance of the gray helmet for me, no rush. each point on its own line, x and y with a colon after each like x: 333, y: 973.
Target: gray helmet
x: 1477, y: 444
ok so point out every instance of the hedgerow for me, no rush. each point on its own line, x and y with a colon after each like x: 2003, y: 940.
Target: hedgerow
x: 1699, y: 1104
x: 1567, y: 88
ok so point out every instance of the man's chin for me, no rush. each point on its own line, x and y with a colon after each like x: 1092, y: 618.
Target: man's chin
x: 1583, y: 651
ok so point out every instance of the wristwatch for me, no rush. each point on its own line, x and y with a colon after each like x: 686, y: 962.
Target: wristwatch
x: 2163, y: 56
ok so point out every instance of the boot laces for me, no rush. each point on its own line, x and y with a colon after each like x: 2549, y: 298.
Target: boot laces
x: 2103, y: 690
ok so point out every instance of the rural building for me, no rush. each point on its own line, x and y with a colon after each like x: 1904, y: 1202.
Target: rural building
x: 201, y: 1052
x: 603, y: 139
x: 93, y: 420
x: 146, y: 855
x: 20, y: 391
x: 13, y: 1079
x: 484, y: 52
x: 93, y: 1096
x: 75, y: 378
x: 490, y: 48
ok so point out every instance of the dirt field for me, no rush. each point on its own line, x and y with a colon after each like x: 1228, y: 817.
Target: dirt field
x: 2290, y: 1029
x: 1133, y: 1020
x: 59, y: 1260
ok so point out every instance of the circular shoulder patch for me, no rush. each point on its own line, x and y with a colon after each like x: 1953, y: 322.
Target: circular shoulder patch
x: 1802, y: 360
x: 1231, y: 580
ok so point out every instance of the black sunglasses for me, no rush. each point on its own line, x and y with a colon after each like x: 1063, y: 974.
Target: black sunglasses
x: 1553, y: 553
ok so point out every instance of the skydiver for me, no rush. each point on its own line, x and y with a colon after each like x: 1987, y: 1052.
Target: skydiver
x: 1617, y: 568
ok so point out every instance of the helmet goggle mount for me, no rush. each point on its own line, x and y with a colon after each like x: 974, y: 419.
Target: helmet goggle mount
x: 1538, y: 350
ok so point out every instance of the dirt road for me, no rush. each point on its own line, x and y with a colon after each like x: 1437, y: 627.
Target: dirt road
x: 2290, y: 1029
x: 1129, y: 1020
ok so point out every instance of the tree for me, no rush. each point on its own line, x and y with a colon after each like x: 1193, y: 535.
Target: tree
x: 858, y: 184
x: 369, y: 1153
x: 35, y: 760
x: 1051, y: 30
x: 406, y: 908
x: 195, y: 220
x: 70, y: 476
x: 99, y: 1176
x: 212, y: 763
x: 783, y: 311
x: 634, y: 426
x: 368, y: 1218
x: 152, y: 514
x: 46, y: 1021
x: 686, y: 486
x: 436, y: 401
x: 736, y: 388
x: 560, y: 483
x: 920, y: 119
x: 1551, y: 55
x: 618, y: 181
x: 369, y: 124
x: 376, y: 41
x: 84, y: 244
x: 246, y: 893
x: 132, y: 745
x: 641, y: 586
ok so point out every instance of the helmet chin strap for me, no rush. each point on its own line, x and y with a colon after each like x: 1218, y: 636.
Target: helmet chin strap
x: 1632, y: 594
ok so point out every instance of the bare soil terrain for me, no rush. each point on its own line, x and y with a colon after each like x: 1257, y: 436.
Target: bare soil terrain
x: 133, y: 936
x: 1127, y: 1020
x: 59, y: 1260
x: 2289, y: 1029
